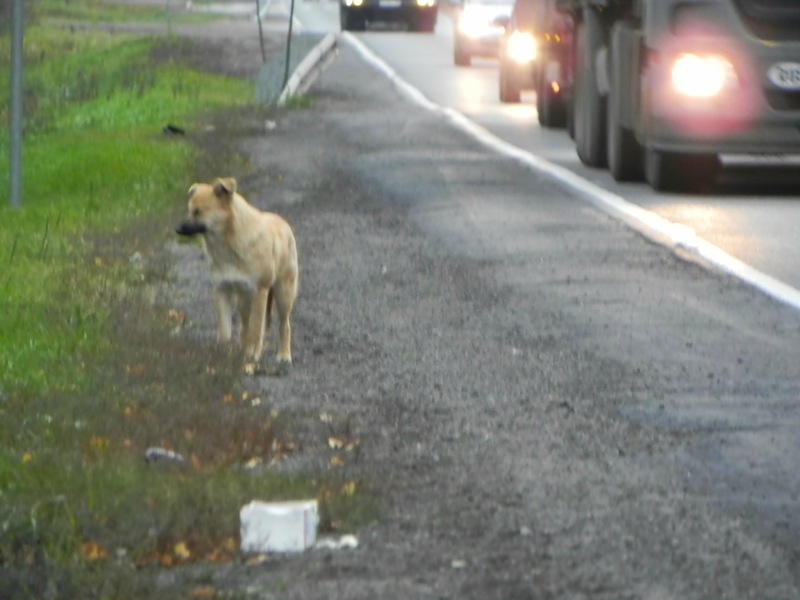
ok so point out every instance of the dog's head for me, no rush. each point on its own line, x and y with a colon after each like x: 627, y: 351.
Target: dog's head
x: 209, y: 206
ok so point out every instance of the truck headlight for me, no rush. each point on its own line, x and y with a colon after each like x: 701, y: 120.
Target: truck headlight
x: 521, y: 47
x: 702, y: 76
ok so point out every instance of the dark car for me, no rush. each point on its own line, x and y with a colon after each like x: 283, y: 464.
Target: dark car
x: 419, y: 15
x: 530, y: 58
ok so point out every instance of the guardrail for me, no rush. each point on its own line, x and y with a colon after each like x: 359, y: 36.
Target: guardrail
x: 311, y: 67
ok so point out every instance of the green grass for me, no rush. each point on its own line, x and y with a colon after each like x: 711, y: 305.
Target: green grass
x: 95, y: 11
x: 90, y: 374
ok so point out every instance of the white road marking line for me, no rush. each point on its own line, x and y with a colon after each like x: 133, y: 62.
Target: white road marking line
x: 679, y: 238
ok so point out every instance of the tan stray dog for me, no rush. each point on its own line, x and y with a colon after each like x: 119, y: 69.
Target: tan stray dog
x: 253, y: 261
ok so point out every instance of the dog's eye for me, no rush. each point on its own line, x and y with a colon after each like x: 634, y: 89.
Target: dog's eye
x: 195, y: 212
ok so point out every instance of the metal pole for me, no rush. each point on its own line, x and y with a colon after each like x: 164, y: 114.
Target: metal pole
x: 288, y: 47
x: 260, y: 31
x: 15, y: 171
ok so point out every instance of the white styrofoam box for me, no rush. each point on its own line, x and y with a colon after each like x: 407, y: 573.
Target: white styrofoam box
x: 278, y: 526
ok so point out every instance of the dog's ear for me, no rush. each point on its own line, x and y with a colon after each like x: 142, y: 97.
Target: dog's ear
x: 192, y: 190
x: 225, y: 186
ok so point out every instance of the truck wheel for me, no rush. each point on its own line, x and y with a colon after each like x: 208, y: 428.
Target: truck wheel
x: 623, y: 151
x: 550, y: 106
x: 570, y: 109
x: 509, y: 91
x: 424, y: 21
x: 461, y: 55
x: 590, y: 105
x: 671, y: 172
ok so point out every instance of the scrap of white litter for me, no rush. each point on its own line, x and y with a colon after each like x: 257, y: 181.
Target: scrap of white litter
x: 278, y: 526
x: 346, y: 542
x: 649, y: 224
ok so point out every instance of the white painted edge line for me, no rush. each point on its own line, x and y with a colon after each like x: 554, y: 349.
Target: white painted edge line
x: 679, y: 238
x: 310, y: 68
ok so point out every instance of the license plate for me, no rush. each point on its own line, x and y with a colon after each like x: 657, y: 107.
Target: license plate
x: 390, y: 3
x: 785, y: 75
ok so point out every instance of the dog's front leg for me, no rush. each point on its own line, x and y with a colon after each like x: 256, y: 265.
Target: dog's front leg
x: 223, y: 305
x: 244, y: 298
x: 254, y: 340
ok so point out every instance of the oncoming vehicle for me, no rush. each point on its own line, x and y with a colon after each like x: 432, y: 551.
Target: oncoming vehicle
x: 418, y: 15
x: 478, y: 27
x: 534, y: 55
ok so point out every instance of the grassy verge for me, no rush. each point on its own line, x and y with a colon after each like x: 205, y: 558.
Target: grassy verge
x: 95, y: 11
x: 91, y: 371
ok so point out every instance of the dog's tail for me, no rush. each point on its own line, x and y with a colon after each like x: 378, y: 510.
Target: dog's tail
x: 268, y: 319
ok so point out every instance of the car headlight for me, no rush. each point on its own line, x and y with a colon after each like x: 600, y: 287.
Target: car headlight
x: 702, y: 76
x: 521, y: 47
x: 426, y: 3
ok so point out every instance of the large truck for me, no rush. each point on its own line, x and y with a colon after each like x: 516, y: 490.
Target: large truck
x: 659, y: 89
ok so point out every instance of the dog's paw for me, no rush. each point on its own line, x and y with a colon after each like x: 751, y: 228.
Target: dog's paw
x: 280, y: 369
x: 253, y: 369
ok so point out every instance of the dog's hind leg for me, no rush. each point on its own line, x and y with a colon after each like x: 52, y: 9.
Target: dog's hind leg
x: 285, y: 294
x: 254, y: 335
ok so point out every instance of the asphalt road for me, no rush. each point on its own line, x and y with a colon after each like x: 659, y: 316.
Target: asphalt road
x: 549, y: 405
x: 753, y: 215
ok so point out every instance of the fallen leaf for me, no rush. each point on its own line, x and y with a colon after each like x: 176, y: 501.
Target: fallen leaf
x: 230, y: 544
x: 93, y: 551
x: 253, y: 463
x: 337, y: 443
x: 349, y: 489
x: 337, y: 461
x: 26, y: 458
x: 138, y: 369
x: 219, y: 557
x: 205, y: 591
x: 99, y: 443
x: 181, y: 550
x: 177, y: 316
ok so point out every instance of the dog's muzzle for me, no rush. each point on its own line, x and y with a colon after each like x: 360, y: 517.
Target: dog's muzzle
x: 188, y: 228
